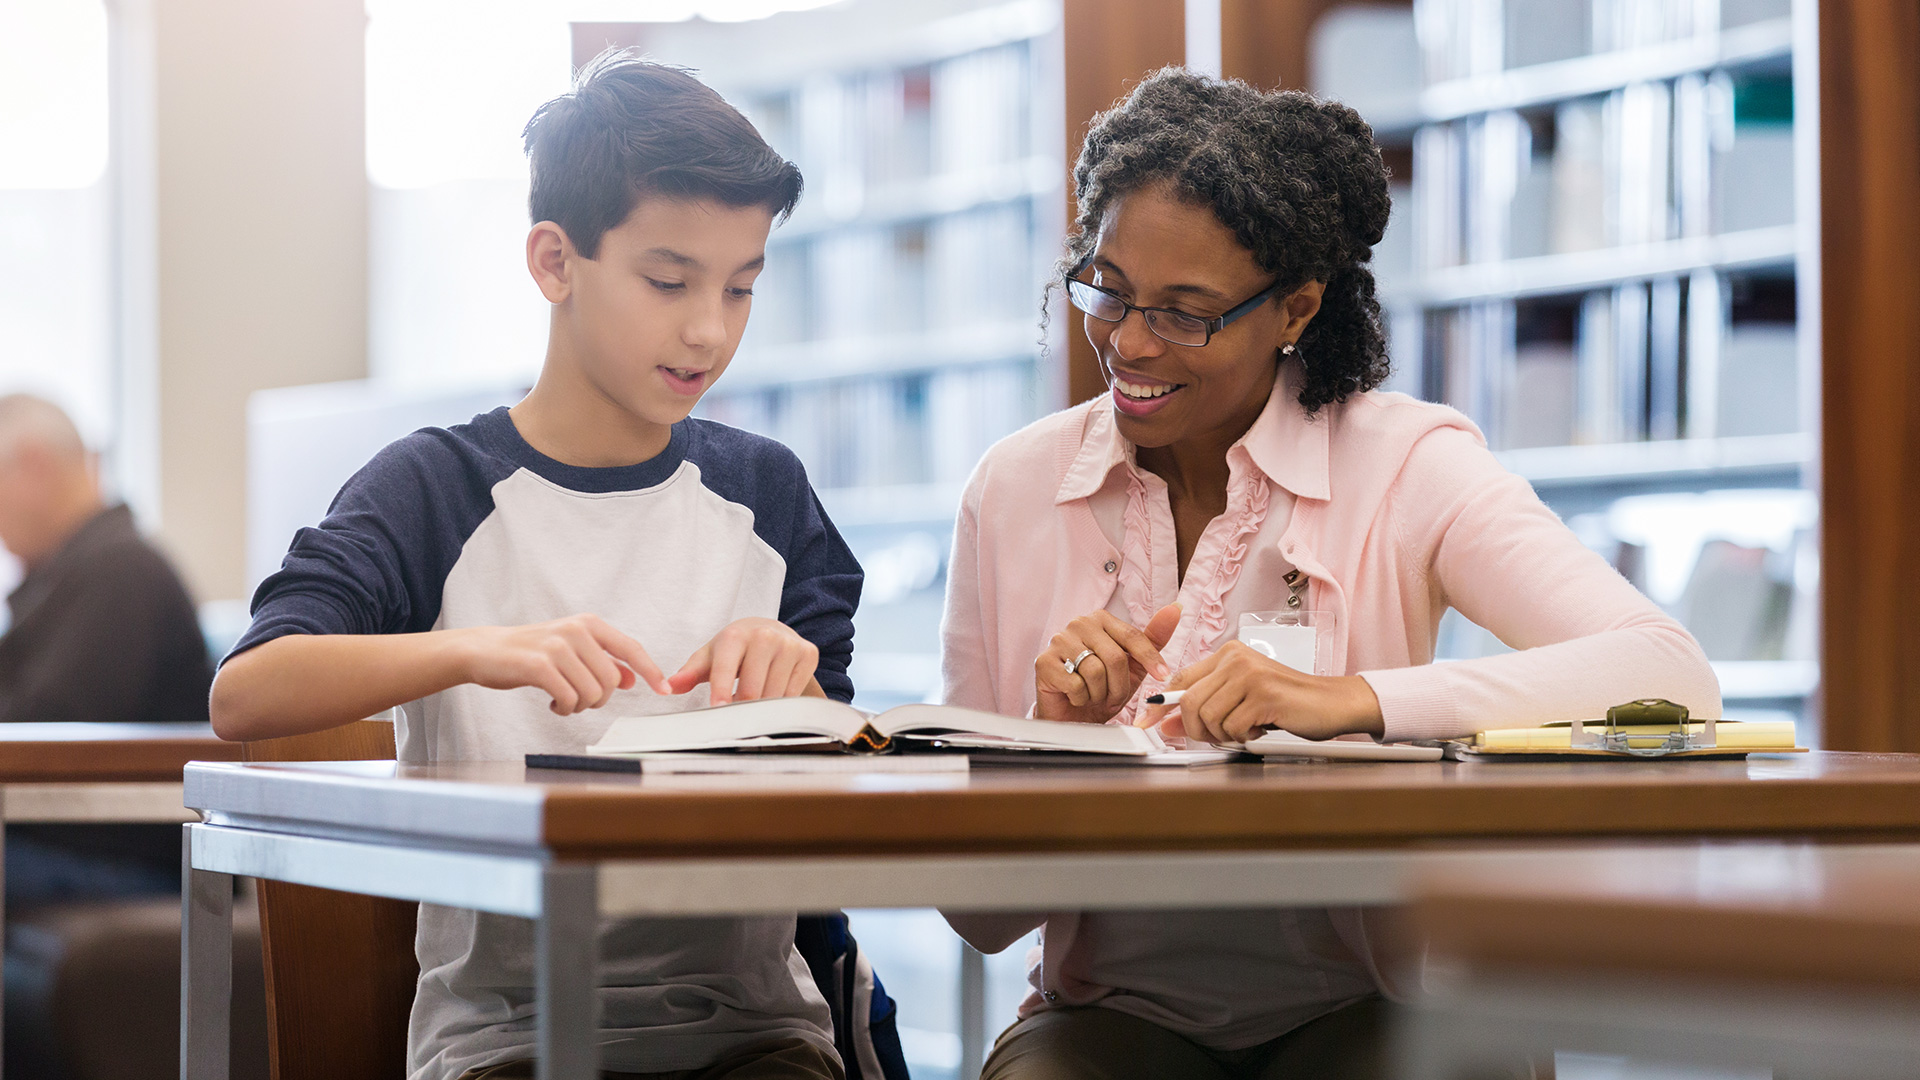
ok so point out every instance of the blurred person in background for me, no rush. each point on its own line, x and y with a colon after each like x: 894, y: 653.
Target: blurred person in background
x: 102, y: 628
x: 103, y: 631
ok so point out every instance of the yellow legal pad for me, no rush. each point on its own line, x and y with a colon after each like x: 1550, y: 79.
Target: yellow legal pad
x: 1731, y: 737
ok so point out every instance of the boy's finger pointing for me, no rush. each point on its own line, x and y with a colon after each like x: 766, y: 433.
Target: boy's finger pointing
x: 727, y: 654
x: 631, y: 653
x: 693, y: 672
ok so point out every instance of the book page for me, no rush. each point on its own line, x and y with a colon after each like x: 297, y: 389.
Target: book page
x: 774, y: 723
x: 955, y: 726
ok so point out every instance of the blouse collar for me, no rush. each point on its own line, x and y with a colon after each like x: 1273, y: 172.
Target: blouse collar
x: 1289, y: 447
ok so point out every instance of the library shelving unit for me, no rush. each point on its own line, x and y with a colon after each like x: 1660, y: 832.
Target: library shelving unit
x: 1614, y: 274
x: 896, y: 331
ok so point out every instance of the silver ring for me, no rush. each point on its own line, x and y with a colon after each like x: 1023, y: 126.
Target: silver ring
x: 1073, y: 665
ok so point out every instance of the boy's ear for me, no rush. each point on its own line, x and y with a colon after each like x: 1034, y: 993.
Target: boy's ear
x: 550, y: 258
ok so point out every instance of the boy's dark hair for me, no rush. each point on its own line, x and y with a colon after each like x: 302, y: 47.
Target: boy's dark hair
x: 1297, y: 179
x: 632, y: 128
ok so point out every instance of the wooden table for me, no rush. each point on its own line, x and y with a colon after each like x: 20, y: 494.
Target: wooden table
x: 109, y: 773
x: 1799, y: 958
x: 100, y: 773
x: 566, y: 848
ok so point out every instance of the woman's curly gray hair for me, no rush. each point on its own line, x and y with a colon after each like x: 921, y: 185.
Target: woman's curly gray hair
x: 1298, y: 181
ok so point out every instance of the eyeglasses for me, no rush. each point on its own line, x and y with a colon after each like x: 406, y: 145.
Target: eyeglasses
x: 1168, y: 325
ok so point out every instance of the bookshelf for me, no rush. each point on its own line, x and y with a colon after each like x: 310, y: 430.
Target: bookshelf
x: 896, y: 330
x: 1604, y: 251
x: 897, y: 335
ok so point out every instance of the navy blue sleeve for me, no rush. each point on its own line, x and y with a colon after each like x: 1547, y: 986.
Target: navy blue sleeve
x: 822, y: 591
x: 822, y: 588
x: 378, y: 561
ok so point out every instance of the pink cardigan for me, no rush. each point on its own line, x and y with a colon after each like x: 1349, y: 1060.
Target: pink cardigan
x: 1399, y: 512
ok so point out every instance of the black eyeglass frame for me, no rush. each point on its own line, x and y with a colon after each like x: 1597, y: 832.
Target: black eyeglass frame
x: 1212, y: 326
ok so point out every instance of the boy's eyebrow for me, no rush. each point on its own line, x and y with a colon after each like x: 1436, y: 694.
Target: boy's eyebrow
x: 675, y: 257
x: 679, y: 258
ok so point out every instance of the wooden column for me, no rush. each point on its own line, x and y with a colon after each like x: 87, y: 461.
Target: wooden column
x: 1265, y: 41
x: 1870, y: 341
x: 1110, y: 45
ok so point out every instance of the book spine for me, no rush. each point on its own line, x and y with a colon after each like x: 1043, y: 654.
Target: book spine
x: 1597, y: 394
x: 1706, y: 329
x: 1665, y: 354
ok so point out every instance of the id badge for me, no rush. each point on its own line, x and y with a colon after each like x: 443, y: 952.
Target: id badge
x: 1288, y: 637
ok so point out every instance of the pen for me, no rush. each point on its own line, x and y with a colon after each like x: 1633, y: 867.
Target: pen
x: 1170, y: 697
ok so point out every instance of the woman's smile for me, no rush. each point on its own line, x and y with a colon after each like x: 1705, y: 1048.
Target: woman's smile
x: 1139, y: 395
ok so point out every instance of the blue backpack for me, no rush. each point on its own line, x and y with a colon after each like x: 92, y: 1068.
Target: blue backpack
x: 864, y: 1027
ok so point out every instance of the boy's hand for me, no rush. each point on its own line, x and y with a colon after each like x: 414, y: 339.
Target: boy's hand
x: 764, y: 656
x: 578, y: 661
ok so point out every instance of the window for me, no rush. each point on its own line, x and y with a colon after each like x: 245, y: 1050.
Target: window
x: 57, y: 317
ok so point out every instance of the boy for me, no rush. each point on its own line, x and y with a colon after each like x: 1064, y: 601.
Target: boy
x: 508, y: 583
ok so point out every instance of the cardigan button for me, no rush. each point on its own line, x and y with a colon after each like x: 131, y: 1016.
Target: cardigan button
x: 1111, y: 566
x: 1293, y: 577
x: 1293, y: 601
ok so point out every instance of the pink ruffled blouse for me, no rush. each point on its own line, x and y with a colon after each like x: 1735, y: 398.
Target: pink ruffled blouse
x: 1390, y: 510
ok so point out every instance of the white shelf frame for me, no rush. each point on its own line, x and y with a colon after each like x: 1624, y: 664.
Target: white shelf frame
x: 942, y: 39
x: 1661, y: 460
x: 1774, y: 247
x: 1538, y: 85
x: 938, y: 195
x: 768, y: 367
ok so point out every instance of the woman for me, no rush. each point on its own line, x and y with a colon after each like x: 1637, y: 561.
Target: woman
x: 1243, y: 463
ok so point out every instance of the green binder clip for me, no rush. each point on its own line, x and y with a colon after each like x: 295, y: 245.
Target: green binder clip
x: 1650, y: 727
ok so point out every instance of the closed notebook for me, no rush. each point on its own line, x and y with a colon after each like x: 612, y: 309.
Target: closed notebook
x: 1729, y: 735
x: 817, y: 724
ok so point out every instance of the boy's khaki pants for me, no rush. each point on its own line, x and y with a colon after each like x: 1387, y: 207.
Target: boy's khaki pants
x: 1101, y: 1044
x: 782, y: 1059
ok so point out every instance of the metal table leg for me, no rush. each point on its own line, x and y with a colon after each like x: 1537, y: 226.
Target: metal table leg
x: 206, y: 967
x: 566, y: 973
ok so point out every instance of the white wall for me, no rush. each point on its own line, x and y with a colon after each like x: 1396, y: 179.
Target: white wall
x: 261, y: 234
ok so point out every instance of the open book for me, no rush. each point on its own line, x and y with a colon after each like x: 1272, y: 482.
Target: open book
x: 817, y: 724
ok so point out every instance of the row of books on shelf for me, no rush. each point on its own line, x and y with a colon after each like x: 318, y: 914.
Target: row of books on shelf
x: 1698, y: 156
x: 1461, y: 39
x: 853, y: 133
x: 921, y: 428
x: 1696, y: 356
x: 953, y: 270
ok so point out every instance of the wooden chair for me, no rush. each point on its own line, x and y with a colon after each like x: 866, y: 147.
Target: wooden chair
x: 340, y: 969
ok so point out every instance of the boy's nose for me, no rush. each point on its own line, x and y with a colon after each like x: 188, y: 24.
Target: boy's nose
x: 706, y: 328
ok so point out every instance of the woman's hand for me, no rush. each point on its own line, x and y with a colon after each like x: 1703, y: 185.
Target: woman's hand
x: 1235, y: 694
x: 1120, y: 655
x: 765, y: 657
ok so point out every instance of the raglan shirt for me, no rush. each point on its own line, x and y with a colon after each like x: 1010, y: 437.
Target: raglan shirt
x: 471, y: 526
